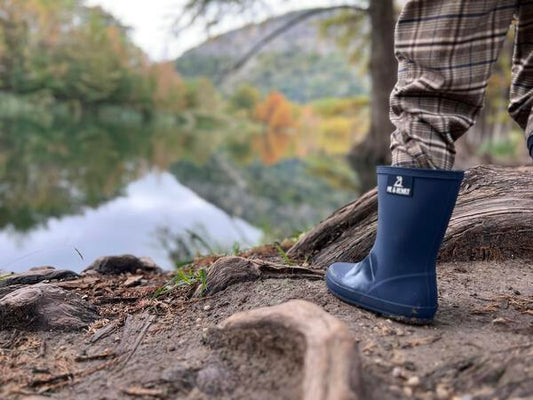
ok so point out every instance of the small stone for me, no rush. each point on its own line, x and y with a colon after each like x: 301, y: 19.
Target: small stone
x: 395, y: 389
x: 500, y: 321
x: 408, y: 391
x: 442, y: 392
x: 207, y: 307
x: 413, y: 381
x: 398, y: 373
x: 198, y: 320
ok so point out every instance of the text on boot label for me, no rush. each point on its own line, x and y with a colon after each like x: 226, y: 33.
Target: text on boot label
x: 400, y: 185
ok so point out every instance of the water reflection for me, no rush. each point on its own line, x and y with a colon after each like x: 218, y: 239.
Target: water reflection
x: 88, y: 182
x: 127, y: 224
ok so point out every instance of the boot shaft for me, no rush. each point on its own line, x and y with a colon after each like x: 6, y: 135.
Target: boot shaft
x: 414, y: 207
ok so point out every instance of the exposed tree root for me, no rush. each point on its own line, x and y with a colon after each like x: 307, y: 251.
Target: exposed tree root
x: 330, y: 360
x: 493, y: 220
x: 227, y: 271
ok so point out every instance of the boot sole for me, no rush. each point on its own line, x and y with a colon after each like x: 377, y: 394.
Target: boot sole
x: 373, y: 304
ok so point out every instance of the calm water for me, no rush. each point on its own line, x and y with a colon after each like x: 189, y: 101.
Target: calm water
x: 89, y: 189
x: 130, y: 224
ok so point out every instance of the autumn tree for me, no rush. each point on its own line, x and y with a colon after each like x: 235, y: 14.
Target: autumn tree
x: 382, y: 63
x: 79, y: 54
x: 275, y: 115
x: 169, y: 87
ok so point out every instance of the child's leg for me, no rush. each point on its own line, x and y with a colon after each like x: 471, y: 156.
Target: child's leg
x: 521, y: 106
x: 446, y: 50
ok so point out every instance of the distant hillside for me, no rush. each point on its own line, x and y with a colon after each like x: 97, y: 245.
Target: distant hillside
x: 301, y: 63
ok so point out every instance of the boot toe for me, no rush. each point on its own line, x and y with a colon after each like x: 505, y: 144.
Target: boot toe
x: 338, y: 280
x: 338, y: 271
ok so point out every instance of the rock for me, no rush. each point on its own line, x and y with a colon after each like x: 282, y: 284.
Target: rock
x: 442, y: 392
x: 413, y: 381
x: 45, y: 307
x: 115, y: 265
x: 38, y: 274
x: 398, y: 372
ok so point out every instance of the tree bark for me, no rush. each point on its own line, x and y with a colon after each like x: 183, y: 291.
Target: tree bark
x: 493, y: 220
x: 374, y: 149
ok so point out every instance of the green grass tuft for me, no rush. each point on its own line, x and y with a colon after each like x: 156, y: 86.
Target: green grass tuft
x: 183, y: 278
x: 283, y: 254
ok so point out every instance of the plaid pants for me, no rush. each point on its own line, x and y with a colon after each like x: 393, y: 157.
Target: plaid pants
x: 446, y: 50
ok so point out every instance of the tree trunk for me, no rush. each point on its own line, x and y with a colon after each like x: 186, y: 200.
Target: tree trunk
x: 374, y: 150
x: 493, y: 220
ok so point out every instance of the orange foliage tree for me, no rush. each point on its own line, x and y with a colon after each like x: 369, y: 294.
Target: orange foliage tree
x: 275, y: 114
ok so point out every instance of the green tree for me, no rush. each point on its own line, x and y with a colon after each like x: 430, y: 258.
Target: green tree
x: 245, y: 98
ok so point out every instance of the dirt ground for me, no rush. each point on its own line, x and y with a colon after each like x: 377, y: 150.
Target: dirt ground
x: 479, y: 347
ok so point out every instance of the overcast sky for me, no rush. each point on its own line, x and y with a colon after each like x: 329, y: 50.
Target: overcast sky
x: 151, y: 21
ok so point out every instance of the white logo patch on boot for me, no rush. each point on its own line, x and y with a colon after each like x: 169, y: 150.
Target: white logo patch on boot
x: 400, y: 185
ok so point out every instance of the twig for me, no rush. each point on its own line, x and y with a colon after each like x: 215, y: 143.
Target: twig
x: 141, y: 391
x: 52, y: 380
x: 99, y: 356
x: 104, y: 331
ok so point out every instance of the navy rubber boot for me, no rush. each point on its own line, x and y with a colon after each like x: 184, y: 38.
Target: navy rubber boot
x: 398, y: 277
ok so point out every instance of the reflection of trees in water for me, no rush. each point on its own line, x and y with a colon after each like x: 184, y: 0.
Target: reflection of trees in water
x: 59, y: 168
x: 183, y: 247
x: 50, y: 167
x: 280, y: 199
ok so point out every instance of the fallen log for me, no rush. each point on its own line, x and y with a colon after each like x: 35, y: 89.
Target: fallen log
x: 493, y: 220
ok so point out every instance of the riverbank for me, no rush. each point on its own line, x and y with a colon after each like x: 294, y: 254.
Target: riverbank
x: 141, y: 346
